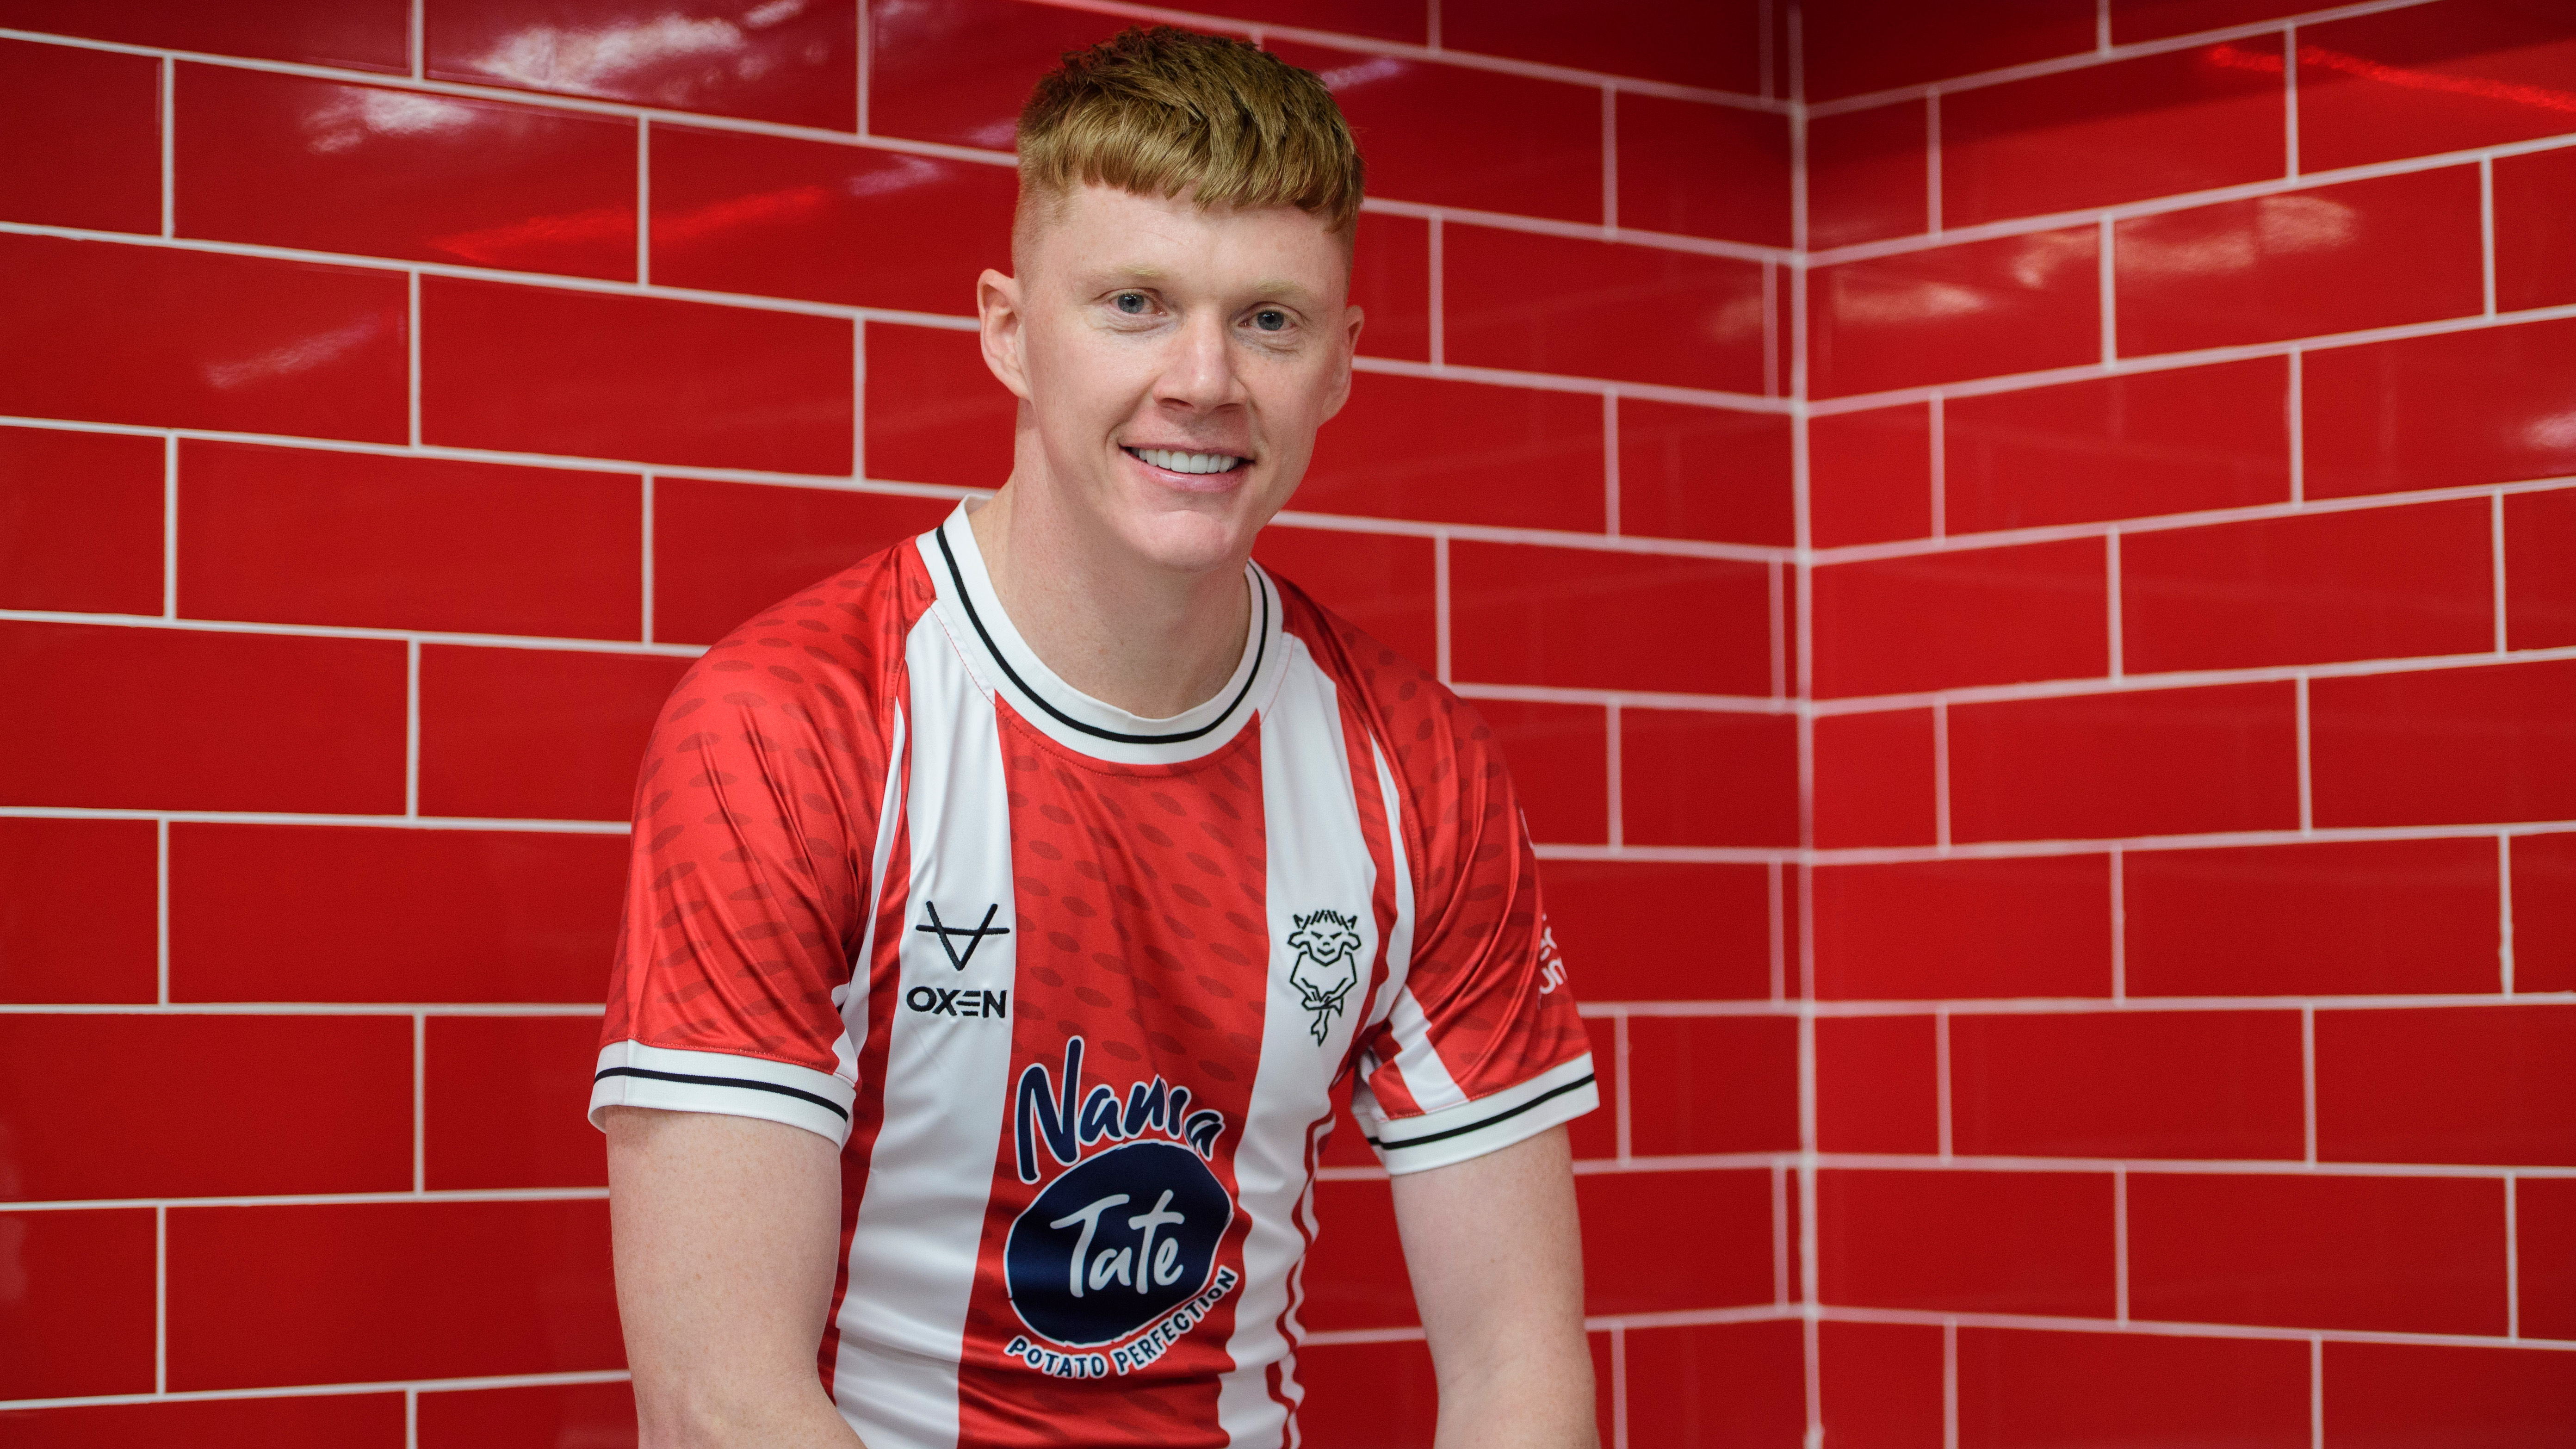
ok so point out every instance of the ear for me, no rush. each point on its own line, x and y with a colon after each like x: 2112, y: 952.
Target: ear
x: 1003, y: 327
x: 1353, y: 317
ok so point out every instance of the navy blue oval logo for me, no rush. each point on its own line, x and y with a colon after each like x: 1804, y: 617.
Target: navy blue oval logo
x: 1121, y: 1238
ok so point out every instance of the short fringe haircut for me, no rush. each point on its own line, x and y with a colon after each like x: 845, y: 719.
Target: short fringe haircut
x: 1161, y: 111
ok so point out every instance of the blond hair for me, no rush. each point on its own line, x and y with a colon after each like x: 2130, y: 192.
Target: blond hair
x: 1161, y: 111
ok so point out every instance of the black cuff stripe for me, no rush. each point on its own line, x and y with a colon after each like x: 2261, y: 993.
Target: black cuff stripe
x: 1505, y: 1115
x: 827, y: 1105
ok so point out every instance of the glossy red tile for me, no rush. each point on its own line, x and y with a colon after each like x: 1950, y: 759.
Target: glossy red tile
x: 2535, y: 229
x: 1391, y: 284
x: 269, y: 912
x: 2173, y: 441
x: 1869, y: 475
x: 78, y: 922
x: 1710, y: 473
x: 1868, y: 174
x: 342, y: 1421
x: 2336, y: 918
x: 2394, y: 1254
x: 960, y: 71
x: 356, y: 34
x: 1534, y: 303
x: 535, y: 1416
x: 1719, y: 1385
x: 1367, y: 1393
x: 2180, y: 1084
x: 1435, y: 450
x: 1878, y: 1084
x: 1383, y: 582
x: 529, y: 369
x: 296, y: 1295
x: 536, y: 734
x: 2388, y: 1395
x: 1856, y: 46
x: 78, y: 1317
x: 1386, y: 19
x: 2540, y: 569
x: 1595, y: 1134
x: 1701, y: 169
x: 1975, y: 1242
x: 1355, y: 1275
x: 1525, y: 614
x: 1711, y: 1084
x: 2445, y: 746
x: 2154, y: 125
x: 111, y: 717
x: 2034, y: 926
x: 2458, y: 1084
x: 2135, y: 20
x: 1452, y: 135
x: 83, y: 516
x: 1623, y: 943
x: 2544, y: 1219
x: 503, y: 1100
x: 2146, y: 762
x: 2439, y: 412
x: 2544, y: 912
x: 2375, y: 583
x: 1976, y: 616
x: 289, y: 1103
x: 1880, y: 1384
x: 85, y: 137
x: 295, y: 161
x: 1874, y: 779
x: 935, y: 412
x: 2022, y: 1390
x: 1702, y: 777
x: 294, y: 536
x: 725, y: 57
x: 722, y: 551
x: 1658, y: 1242
x: 2432, y: 78
x: 775, y: 216
x: 1560, y: 761
x: 2341, y: 258
x: 1717, y: 45
x: 167, y: 338
x: 1944, y: 314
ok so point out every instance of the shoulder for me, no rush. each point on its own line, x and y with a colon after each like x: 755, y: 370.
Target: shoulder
x: 1432, y: 739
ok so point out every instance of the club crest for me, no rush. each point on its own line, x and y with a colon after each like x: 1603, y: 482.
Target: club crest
x: 1328, y: 947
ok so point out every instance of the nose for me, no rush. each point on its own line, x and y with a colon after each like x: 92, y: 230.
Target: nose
x: 1199, y: 374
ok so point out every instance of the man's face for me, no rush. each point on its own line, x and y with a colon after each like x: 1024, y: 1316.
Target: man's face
x: 1175, y: 362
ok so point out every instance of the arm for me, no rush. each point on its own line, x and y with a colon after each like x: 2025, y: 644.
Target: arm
x: 1497, y: 1266
x: 724, y: 1230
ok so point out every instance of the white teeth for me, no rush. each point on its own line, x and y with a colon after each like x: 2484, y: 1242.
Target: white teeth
x: 1186, y: 462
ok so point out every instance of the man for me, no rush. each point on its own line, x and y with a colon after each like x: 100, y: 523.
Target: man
x: 1010, y: 911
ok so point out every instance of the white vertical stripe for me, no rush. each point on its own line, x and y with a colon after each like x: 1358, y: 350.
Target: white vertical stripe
x: 1425, y: 1075
x: 853, y: 1002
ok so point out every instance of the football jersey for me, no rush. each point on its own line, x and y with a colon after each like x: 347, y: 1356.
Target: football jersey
x: 1077, y: 992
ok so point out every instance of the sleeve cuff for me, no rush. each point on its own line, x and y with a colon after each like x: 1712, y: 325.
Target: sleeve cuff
x: 1487, y: 1124
x: 632, y: 1074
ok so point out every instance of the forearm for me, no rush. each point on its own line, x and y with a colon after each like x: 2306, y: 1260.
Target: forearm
x: 708, y: 1415
x: 1523, y: 1400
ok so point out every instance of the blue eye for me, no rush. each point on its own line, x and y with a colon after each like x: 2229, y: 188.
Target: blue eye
x: 1270, y: 319
x: 1131, y: 303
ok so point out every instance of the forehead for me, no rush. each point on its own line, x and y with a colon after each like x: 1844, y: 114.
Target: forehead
x: 1095, y: 233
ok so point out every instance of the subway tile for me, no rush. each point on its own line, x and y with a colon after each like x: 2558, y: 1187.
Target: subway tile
x: 168, y: 338
x: 84, y: 129
x: 781, y: 217
x: 297, y: 1294
x: 356, y: 34
x: 296, y: 536
x: 1949, y: 313
x: 1454, y: 136
x: 2535, y: 229
x: 296, y: 161
x: 1624, y: 940
x: 115, y: 717
x: 269, y: 912
x: 1868, y: 174
x: 1969, y: 617
x: 1701, y: 169
x: 2431, y: 78
x: 798, y: 66
x: 277, y: 1104
x: 1971, y: 1242
x: 1928, y: 930
x: 1708, y: 473
x: 1873, y: 780
x: 1878, y: 1084
x: 2374, y: 583
x: 1595, y: 1134
x: 530, y: 1416
x: 78, y: 922
x: 2540, y: 569
x: 2445, y: 746
x: 1533, y: 303
x: 1382, y: 582
x: 1527, y: 614
x: 1710, y: 1084
x: 1869, y: 475
x: 724, y: 551
x: 1431, y: 450
x: 537, y: 370
x: 1355, y: 1275
x: 1703, y: 777
x: 2331, y: 918
x: 2544, y: 912
x: 1857, y: 46
x: 2396, y: 1396
x: 84, y: 521
x: 1385, y: 19
x: 1718, y: 1383
x: 1560, y: 760
x: 2392, y: 1254
x: 959, y: 71
x: 1391, y: 284
x: 2544, y: 1220
x: 503, y: 1102
x: 2177, y: 440
x: 1881, y: 1385
x: 935, y: 412
x: 2136, y: 20
x: 536, y: 734
x: 2375, y: 253
x: 2145, y: 762
x: 2178, y: 1084
x: 1716, y: 45
x: 77, y: 1318
x: 1664, y: 1242
x: 1363, y: 1393
x: 2020, y: 1389
x: 2154, y: 125
x: 2473, y: 1084
x: 2439, y: 412
x: 340, y: 1421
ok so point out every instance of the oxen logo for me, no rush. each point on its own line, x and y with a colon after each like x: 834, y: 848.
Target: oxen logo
x: 1328, y: 945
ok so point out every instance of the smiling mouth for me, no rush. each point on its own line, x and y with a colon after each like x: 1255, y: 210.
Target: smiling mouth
x: 1175, y: 461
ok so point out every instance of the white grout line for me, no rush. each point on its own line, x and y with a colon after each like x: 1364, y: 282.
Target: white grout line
x: 416, y: 39
x: 411, y: 360
x: 2111, y: 566
x: 2298, y: 429
x: 315, y: 1199
x: 1438, y: 285
x: 2119, y: 926
x: 1780, y: 1234
x: 160, y: 1300
x: 1941, y: 776
x: 645, y: 538
x: 306, y: 1391
x: 291, y: 817
x: 1622, y: 1139
x: 2487, y: 232
x: 2120, y: 1244
x: 2512, y: 1264
x: 351, y: 631
x: 2307, y: 787
x: 1610, y: 463
x: 1614, y: 778
x: 2308, y: 1076
x: 2102, y: 26
x: 161, y: 909
x: 2290, y: 103
x: 859, y: 398
x: 1440, y: 605
x: 2316, y: 1391
x: 419, y: 1103
x: 411, y: 1418
x: 1641, y: 699
x: 170, y: 526
x: 865, y: 60
x: 1940, y: 468
x: 169, y: 99
x: 1950, y: 1383
x: 2495, y: 529
x: 2110, y: 285
x: 1618, y: 1364
x: 1564, y: 382
x: 1917, y: 1006
x: 1610, y: 158
x: 1941, y: 1079
x: 1431, y: 24
x: 1932, y: 164
x: 411, y: 729
x: 302, y: 1008
x: 2504, y: 912
x: 643, y: 201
